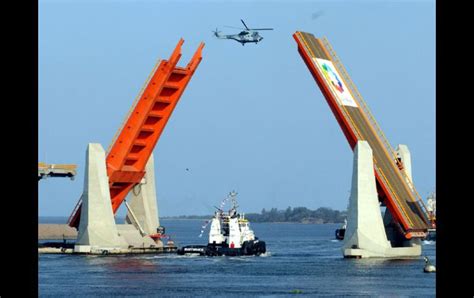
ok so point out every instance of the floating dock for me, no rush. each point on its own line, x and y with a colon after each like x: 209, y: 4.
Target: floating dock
x: 60, y: 239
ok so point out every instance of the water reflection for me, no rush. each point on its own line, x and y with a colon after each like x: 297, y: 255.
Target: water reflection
x: 123, y: 263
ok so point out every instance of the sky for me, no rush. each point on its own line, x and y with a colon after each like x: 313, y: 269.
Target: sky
x: 252, y: 118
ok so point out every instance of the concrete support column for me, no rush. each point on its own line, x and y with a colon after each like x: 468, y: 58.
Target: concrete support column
x: 143, y: 202
x: 365, y: 232
x: 365, y: 229
x: 97, y: 229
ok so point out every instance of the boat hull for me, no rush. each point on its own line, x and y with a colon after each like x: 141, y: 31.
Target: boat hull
x: 340, y: 233
x: 431, y: 236
x: 248, y: 248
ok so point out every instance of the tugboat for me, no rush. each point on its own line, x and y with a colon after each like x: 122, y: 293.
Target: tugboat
x: 229, y: 235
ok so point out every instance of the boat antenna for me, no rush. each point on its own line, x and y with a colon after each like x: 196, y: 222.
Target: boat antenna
x: 232, y: 195
x: 206, y: 223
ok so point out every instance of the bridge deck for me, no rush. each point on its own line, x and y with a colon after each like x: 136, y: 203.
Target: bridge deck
x: 400, y: 195
x: 56, y: 170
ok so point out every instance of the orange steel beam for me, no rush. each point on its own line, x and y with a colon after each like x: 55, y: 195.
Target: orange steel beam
x: 351, y: 132
x: 131, y: 150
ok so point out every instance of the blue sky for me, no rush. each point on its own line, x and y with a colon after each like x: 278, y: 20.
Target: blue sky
x: 252, y: 118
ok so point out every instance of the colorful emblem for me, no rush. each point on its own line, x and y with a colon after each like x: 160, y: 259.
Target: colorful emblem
x: 333, y: 79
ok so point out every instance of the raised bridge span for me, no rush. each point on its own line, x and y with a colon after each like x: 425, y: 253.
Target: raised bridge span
x: 396, y: 191
x: 134, y: 142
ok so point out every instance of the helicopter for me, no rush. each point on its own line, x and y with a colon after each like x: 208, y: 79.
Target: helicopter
x: 245, y: 36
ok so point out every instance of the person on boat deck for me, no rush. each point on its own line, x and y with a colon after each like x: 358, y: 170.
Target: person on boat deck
x: 232, y: 244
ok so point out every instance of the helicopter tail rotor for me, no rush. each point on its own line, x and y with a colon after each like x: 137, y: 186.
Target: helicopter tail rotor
x: 216, y: 33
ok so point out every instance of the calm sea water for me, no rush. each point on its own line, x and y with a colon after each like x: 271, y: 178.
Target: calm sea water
x: 302, y: 258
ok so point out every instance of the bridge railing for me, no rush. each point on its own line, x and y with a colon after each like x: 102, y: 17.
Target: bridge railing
x: 343, y: 110
x: 359, y: 136
x: 374, y: 123
x: 346, y: 79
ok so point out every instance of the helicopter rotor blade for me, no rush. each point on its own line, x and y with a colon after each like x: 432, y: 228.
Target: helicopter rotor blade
x: 244, y: 24
x: 261, y: 29
x: 235, y: 27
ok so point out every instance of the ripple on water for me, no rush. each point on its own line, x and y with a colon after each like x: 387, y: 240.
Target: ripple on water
x: 299, y: 257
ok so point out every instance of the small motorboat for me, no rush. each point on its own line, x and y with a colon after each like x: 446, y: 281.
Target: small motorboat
x: 341, y: 231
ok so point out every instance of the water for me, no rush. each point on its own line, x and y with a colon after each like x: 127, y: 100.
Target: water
x: 302, y: 258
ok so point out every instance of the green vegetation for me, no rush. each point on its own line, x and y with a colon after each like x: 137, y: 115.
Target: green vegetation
x: 297, y: 215
x: 187, y: 217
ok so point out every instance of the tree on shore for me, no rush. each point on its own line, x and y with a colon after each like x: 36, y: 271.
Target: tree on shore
x: 297, y: 215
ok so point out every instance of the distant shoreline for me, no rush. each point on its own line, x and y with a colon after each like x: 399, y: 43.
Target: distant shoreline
x: 303, y: 215
x: 46, y: 222
x: 272, y: 222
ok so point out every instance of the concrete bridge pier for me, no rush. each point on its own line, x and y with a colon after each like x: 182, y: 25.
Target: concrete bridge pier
x: 97, y: 231
x: 143, y: 207
x: 365, y: 234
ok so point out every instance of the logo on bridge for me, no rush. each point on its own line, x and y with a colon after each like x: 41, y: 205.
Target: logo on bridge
x: 335, y: 83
